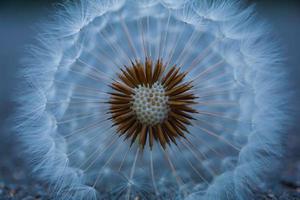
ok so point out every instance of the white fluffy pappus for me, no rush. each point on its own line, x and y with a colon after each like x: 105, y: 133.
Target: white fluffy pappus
x: 235, y: 143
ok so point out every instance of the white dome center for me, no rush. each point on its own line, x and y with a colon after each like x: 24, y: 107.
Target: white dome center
x: 150, y: 104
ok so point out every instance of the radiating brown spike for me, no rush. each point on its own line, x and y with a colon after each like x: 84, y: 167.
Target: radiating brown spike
x: 119, y: 119
x: 186, y: 115
x: 131, y: 130
x: 117, y: 107
x: 151, y: 137
x: 161, y: 136
x: 129, y: 78
x: 122, y: 88
x: 179, y: 103
x: 184, y: 96
x: 158, y: 70
x: 168, y: 74
x: 125, y: 80
x: 171, y: 78
x: 115, y: 99
x: 130, y: 72
x: 188, y: 109
x: 115, y: 111
x: 143, y: 136
x: 178, y: 130
x: 118, y: 101
x: 180, y: 125
x: 136, y: 133
x: 136, y: 73
x: 176, y: 81
x: 118, y: 94
x: 124, y: 127
x: 179, y: 89
x: 121, y: 113
x: 162, y: 70
x: 171, y: 128
x: 141, y: 73
x: 180, y: 118
x: 133, y: 74
x: 170, y: 136
x: 148, y: 71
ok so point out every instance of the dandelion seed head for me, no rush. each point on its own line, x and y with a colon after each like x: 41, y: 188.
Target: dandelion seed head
x: 151, y: 103
x: 175, y: 99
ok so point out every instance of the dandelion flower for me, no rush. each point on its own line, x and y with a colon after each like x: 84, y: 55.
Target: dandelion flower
x: 153, y: 99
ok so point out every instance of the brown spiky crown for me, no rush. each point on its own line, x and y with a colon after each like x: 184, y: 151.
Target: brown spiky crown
x: 173, y: 101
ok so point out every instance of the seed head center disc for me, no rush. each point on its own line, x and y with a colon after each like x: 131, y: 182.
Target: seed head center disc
x: 150, y: 104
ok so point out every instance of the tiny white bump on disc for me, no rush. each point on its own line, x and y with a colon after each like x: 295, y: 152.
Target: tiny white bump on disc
x: 150, y: 104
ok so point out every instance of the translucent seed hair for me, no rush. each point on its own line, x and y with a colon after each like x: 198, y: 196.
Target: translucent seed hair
x: 153, y: 99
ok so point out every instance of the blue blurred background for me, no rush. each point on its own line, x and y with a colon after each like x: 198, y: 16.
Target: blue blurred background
x: 17, y: 19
